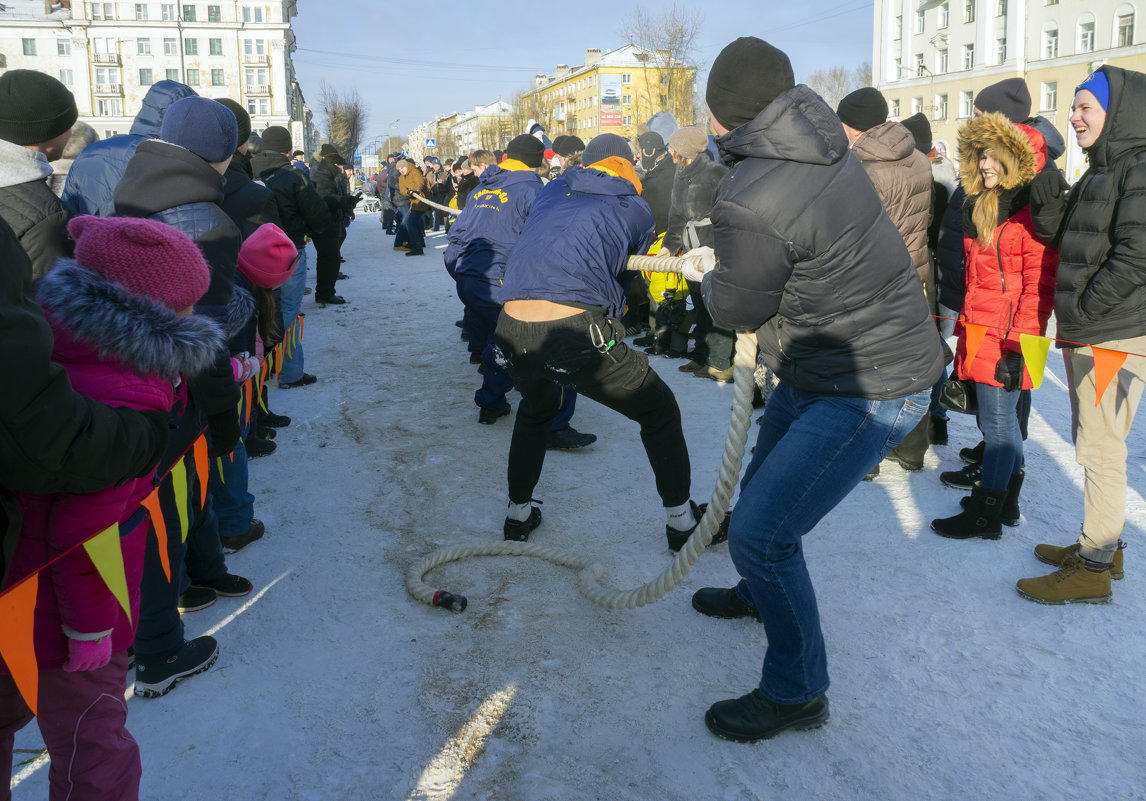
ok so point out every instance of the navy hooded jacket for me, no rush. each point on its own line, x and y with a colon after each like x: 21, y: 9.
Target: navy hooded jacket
x: 485, y: 233
x: 577, y: 241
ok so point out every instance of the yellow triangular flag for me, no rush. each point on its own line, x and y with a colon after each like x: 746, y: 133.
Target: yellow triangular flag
x: 17, y: 643
x: 1035, y: 350
x: 1107, y: 363
x: 179, y: 485
x: 107, y: 556
x: 974, y: 337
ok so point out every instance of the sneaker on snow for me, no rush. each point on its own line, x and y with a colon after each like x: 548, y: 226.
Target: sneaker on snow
x: 196, y: 598
x: 155, y: 679
x: 228, y: 585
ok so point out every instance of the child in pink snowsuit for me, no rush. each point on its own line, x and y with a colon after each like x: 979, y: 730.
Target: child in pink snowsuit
x: 123, y: 331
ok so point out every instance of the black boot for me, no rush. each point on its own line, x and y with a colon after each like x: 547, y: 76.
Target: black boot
x: 909, y: 453
x: 938, y: 431
x: 979, y: 518
x: 1010, y: 515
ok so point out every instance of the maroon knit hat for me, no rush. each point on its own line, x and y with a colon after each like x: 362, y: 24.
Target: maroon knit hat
x: 144, y: 256
x: 268, y: 257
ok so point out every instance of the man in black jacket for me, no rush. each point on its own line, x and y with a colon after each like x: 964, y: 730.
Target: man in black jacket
x: 331, y: 185
x: 301, y: 213
x: 806, y: 257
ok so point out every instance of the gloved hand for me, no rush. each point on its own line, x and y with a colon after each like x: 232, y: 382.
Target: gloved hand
x: 159, y: 422
x: 698, y: 261
x: 350, y: 201
x: 222, y: 433
x: 88, y: 654
x: 1048, y: 187
x: 243, y: 366
x: 1009, y: 370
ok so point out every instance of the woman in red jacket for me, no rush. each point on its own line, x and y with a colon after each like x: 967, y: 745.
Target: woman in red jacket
x: 1010, y: 291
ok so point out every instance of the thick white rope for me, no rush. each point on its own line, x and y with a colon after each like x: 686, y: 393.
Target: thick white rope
x: 590, y: 571
x: 429, y: 202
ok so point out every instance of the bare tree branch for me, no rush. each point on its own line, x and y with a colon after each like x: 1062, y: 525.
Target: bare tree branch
x: 345, y: 118
x: 835, y: 83
x: 669, y: 36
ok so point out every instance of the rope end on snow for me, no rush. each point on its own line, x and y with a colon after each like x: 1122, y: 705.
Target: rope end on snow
x: 447, y: 600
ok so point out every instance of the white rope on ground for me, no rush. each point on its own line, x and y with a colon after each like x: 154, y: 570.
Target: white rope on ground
x: 590, y: 571
x: 429, y: 202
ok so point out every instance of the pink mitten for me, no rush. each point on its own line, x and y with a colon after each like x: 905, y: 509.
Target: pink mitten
x: 243, y: 366
x: 87, y: 654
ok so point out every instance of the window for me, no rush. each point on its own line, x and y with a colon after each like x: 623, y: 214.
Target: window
x: 897, y: 28
x: 215, y: 46
x: 252, y: 14
x: 192, y: 77
x: 172, y: 75
x: 893, y: 108
x: 167, y: 12
x: 109, y: 107
x: 145, y: 78
x: 966, y: 104
x: 1049, y: 96
x: 1086, y: 34
x: 103, y: 10
x: 916, y: 105
x: 920, y: 68
x: 63, y: 47
x: 214, y: 14
x: 626, y: 100
x: 254, y: 47
x: 968, y: 56
x: 258, y: 105
x: 29, y: 47
x: 1050, y: 2
x: 107, y: 76
x: 188, y: 13
x: 626, y: 77
x: 1125, y: 18
x: 941, y: 60
x: 627, y: 121
x: 141, y: 11
x: 1001, y: 49
x: 920, y: 21
x: 108, y: 133
x: 944, y: 15
x: 898, y: 67
x: 664, y: 79
x: 218, y: 78
x: 191, y: 47
x: 170, y: 47
x: 940, y: 107
x: 1001, y: 10
x: 256, y: 77
x: 66, y: 77
x: 1050, y: 41
x: 968, y: 10
x: 143, y: 47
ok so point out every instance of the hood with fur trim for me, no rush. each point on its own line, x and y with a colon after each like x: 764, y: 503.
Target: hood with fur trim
x: 139, y: 332
x: 1016, y: 147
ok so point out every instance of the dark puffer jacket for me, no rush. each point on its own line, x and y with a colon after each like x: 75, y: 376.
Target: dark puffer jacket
x: 96, y: 171
x: 657, y: 191
x: 247, y: 203
x: 301, y: 212
x: 1100, y: 291
x: 693, y: 193
x: 28, y: 205
x: 808, y: 258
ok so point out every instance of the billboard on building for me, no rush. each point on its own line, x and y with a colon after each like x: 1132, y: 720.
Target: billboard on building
x: 609, y: 103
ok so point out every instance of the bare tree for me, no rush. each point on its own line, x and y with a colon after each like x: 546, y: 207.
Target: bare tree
x: 345, y: 118
x: 669, y: 38
x: 835, y: 83
x: 525, y: 107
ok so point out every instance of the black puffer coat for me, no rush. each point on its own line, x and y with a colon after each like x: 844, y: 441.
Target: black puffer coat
x: 656, y: 189
x: 693, y: 193
x: 808, y: 258
x: 1100, y: 291
x: 301, y: 212
x: 247, y: 203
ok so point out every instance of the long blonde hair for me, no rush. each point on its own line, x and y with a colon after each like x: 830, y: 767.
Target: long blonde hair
x: 993, y: 134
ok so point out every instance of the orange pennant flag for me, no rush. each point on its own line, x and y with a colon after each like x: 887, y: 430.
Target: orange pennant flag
x: 975, y: 334
x: 201, y: 468
x: 1035, y: 350
x: 301, y: 326
x: 151, y: 504
x: 1107, y: 363
x: 17, y: 645
x: 107, y: 556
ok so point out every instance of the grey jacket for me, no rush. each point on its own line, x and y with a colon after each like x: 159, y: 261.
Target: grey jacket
x: 30, y: 207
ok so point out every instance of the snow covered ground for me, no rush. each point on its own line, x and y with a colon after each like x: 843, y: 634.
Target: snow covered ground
x: 333, y: 685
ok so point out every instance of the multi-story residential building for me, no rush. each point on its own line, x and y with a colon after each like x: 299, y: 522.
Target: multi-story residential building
x: 612, y: 92
x: 109, y: 53
x: 484, y: 128
x: 936, y: 56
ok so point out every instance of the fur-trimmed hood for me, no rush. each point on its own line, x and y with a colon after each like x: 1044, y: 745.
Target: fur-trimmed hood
x: 1020, y: 149
x: 139, y: 332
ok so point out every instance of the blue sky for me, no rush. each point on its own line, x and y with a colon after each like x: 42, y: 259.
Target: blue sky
x: 412, y: 65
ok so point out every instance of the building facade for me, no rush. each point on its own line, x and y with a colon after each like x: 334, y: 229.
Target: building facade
x: 935, y: 57
x: 110, y: 53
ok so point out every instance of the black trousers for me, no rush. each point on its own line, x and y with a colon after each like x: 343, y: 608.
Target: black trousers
x: 539, y: 356
x: 329, y: 257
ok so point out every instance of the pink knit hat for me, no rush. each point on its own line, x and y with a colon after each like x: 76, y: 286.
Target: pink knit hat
x: 144, y: 256
x: 268, y: 257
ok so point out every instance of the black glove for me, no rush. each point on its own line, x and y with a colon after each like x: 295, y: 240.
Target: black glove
x: 159, y: 423
x: 1048, y: 187
x: 1009, y: 370
x: 222, y: 433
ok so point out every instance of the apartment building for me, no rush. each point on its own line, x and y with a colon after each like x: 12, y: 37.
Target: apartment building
x: 936, y: 56
x: 110, y: 53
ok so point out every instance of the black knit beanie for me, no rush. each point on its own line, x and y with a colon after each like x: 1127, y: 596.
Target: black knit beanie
x: 242, y: 118
x: 602, y: 146
x: 746, y: 76
x: 920, y: 128
x: 567, y: 144
x: 526, y: 149
x: 1011, y: 97
x: 34, y: 107
x: 277, y: 139
x: 863, y: 109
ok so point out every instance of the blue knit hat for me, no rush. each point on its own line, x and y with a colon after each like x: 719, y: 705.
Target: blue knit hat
x: 206, y: 128
x: 1098, y: 84
x: 604, y: 145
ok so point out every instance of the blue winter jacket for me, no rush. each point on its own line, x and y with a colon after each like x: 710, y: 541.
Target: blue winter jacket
x: 486, y: 231
x: 577, y: 240
x: 96, y: 171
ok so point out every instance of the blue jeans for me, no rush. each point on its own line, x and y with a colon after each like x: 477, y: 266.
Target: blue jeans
x: 999, y: 422
x: 227, y: 485
x: 291, y: 303
x: 811, y: 451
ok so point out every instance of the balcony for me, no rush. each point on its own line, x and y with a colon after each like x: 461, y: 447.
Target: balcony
x: 105, y: 58
x: 260, y: 59
x: 109, y: 89
x: 258, y: 89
